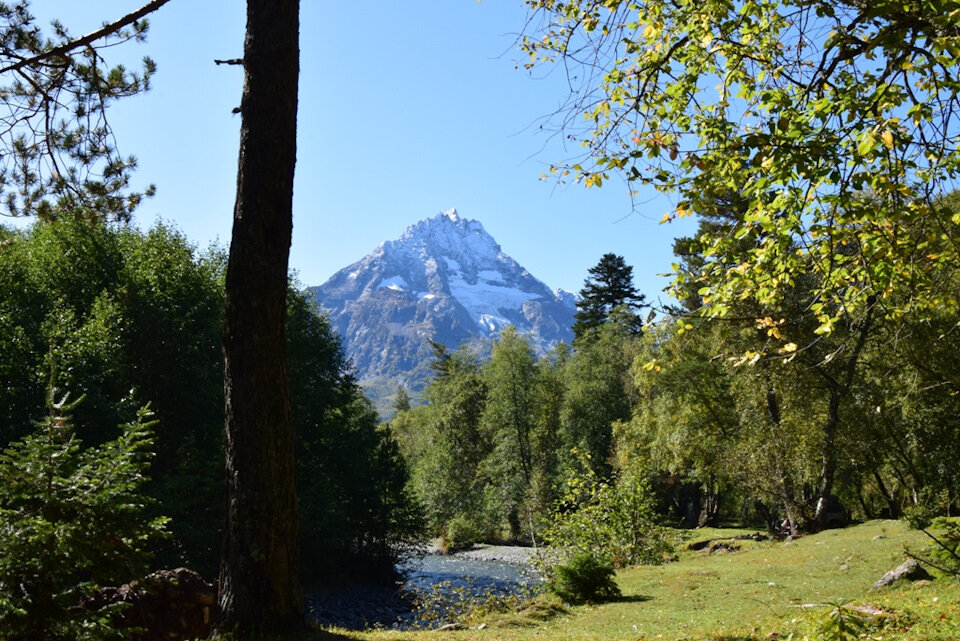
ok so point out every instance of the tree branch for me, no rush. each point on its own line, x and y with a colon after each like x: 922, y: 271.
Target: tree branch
x: 106, y: 30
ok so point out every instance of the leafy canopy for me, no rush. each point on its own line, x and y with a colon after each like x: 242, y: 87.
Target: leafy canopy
x: 835, y: 122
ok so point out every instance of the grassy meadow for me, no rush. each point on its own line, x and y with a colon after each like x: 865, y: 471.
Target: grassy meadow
x: 764, y: 590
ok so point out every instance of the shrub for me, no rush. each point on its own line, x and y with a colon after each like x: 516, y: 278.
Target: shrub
x: 461, y: 533
x: 944, y: 532
x: 612, y: 519
x: 71, y: 519
x: 584, y: 579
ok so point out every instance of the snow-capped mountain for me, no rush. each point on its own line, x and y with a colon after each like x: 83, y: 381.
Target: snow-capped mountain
x: 445, y: 280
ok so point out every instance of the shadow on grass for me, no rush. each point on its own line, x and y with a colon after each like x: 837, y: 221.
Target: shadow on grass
x: 632, y: 598
x: 308, y: 633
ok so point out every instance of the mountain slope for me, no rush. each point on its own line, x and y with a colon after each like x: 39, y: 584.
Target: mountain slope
x: 447, y: 280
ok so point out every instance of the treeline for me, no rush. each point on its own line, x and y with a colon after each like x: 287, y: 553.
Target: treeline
x: 128, y: 318
x: 499, y: 443
x: 760, y: 416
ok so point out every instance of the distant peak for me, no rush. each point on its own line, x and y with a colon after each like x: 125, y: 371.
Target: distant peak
x: 451, y: 214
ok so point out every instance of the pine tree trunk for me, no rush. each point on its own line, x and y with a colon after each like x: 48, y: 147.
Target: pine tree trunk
x: 259, y: 582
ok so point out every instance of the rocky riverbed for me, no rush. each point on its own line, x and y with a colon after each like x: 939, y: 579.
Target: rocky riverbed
x: 434, y: 583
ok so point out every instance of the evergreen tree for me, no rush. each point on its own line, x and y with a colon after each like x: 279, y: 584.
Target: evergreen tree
x: 609, y: 287
x: 402, y: 402
x: 57, y: 149
x: 73, y: 518
x: 259, y: 584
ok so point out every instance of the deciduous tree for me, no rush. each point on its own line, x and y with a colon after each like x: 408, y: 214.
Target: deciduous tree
x: 798, y: 107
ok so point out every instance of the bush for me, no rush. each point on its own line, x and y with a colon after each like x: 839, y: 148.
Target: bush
x: 461, y: 533
x: 584, y: 579
x: 944, y: 532
x: 71, y: 519
x: 612, y: 519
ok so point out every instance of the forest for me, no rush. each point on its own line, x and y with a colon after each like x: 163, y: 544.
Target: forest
x: 121, y: 320
x: 714, y: 425
x: 163, y: 405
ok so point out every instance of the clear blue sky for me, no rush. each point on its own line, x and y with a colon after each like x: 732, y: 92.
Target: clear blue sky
x: 407, y: 108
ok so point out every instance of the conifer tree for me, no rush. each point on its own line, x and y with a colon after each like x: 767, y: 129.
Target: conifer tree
x: 609, y: 287
x: 402, y: 402
x: 260, y: 589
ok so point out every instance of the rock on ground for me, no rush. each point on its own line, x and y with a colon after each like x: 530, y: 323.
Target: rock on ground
x: 909, y: 569
x: 167, y: 605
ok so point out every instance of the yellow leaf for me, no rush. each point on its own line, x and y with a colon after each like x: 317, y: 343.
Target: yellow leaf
x: 887, y: 139
x: 666, y: 218
x: 789, y: 348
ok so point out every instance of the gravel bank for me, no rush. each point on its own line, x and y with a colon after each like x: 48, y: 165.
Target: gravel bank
x: 511, y: 554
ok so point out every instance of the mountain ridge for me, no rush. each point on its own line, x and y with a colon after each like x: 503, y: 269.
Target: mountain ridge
x: 446, y: 280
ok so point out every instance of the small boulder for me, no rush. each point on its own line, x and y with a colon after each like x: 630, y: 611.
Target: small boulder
x: 165, y: 606
x: 721, y: 547
x: 909, y: 570
x: 451, y: 626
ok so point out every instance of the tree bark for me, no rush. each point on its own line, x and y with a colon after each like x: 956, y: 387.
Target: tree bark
x: 783, y: 480
x: 838, y: 393
x: 259, y: 583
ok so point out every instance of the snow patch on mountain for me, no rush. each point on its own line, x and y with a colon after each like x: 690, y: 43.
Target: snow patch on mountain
x: 484, y: 301
x: 394, y: 282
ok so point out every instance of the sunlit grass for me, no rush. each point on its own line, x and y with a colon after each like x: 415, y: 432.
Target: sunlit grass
x: 763, y: 591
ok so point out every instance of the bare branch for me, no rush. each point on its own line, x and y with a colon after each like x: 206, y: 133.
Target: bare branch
x: 106, y: 30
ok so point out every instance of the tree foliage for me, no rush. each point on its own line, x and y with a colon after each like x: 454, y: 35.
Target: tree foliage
x: 71, y: 519
x: 835, y: 123
x: 864, y: 414
x: 608, y: 289
x: 610, y: 519
x: 496, y: 443
x: 127, y: 317
x: 123, y: 318
x: 59, y: 151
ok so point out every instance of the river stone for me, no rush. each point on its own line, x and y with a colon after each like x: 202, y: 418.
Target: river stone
x: 909, y: 569
x: 451, y: 626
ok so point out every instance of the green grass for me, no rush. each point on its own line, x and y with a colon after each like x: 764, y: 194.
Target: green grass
x: 763, y: 591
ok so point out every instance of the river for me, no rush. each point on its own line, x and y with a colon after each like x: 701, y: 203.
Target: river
x: 437, y: 587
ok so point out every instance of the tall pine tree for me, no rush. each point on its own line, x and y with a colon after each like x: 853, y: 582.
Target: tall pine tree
x: 609, y: 287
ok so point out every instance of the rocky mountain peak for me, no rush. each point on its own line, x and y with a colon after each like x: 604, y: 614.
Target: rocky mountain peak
x: 447, y: 235
x: 447, y: 280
